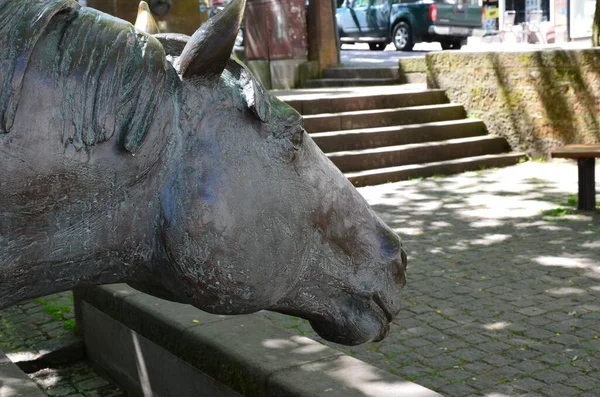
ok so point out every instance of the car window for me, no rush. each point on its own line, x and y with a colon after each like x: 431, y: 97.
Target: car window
x: 360, y: 3
x: 379, y: 2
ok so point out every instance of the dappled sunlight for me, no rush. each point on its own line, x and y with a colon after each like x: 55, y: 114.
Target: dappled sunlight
x: 566, y: 291
x: 370, y: 381
x: 497, y: 325
x: 489, y: 239
x: 21, y: 355
x: 295, y: 345
x: 486, y: 223
x: 581, y: 263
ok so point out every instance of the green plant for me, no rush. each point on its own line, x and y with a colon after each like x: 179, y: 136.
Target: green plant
x: 69, y: 324
x: 557, y: 212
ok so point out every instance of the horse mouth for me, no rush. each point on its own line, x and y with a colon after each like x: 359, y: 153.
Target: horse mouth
x: 366, y: 320
x: 384, y: 308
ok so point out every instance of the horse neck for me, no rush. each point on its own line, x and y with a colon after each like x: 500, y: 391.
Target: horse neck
x: 58, y: 250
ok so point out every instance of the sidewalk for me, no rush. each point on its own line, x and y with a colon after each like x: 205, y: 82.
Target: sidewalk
x: 502, y: 294
x: 359, y: 55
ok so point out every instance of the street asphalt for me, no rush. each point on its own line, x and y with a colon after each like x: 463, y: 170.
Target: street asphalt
x: 501, y: 297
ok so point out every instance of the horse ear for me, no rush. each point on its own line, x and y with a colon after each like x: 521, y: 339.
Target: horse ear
x: 145, y: 21
x: 208, y: 51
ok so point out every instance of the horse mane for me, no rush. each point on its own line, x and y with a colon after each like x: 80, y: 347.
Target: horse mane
x: 111, y: 75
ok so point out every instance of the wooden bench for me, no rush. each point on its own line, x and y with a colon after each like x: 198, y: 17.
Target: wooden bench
x: 586, y: 161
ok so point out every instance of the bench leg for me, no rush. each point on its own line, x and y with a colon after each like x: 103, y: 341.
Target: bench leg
x: 587, y: 184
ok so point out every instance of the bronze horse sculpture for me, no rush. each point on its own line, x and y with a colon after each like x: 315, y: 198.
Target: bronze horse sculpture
x: 161, y: 162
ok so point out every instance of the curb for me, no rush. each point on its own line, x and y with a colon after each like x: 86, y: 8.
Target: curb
x: 148, y: 344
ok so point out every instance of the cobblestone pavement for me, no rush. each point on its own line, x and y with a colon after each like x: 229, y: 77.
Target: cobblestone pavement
x: 502, y: 297
x: 34, y: 328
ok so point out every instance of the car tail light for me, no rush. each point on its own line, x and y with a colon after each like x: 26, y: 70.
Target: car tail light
x: 482, y: 16
x: 433, y: 12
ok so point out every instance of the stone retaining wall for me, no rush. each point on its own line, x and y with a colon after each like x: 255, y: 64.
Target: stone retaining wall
x: 535, y: 99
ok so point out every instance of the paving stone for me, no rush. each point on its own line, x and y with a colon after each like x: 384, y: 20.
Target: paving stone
x: 60, y: 391
x: 456, y: 389
x: 498, y: 361
x: 432, y: 382
x: 453, y: 375
x: 482, y: 382
x: 416, y: 342
x: 440, y: 362
x: 582, y: 382
x: 92, y: 383
x: 527, y: 384
x: 529, y: 366
x: 51, y: 326
x: 469, y: 354
x: 507, y: 372
x: 493, y: 347
x: 558, y: 390
x: 566, y: 368
x: 443, y: 324
x: 549, y: 376
x: 554, y: 359
x: 414, y: 370
x: 431, y: 351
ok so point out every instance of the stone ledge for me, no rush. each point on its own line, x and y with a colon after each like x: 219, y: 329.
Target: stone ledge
x: 134, y: 336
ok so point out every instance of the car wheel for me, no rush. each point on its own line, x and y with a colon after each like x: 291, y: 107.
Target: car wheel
x: 402, y: 37
x: 377, y: 46
x: 451, y: 44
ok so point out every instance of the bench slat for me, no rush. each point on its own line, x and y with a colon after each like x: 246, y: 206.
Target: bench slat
x: 576, y: 151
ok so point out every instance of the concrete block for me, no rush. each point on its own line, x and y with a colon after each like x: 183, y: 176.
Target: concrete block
x: 4, y: 359
x: 342, y: 376
x: 141, y: 366
x: 159, y: 320
x: 14, y: 382
x: 197, y: 353
x: 253, y: 350
x: 307, y: 71
x: 261, y: 70
x: 285, y: 74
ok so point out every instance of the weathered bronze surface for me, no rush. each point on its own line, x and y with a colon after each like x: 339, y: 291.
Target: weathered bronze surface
x: 177, y: 174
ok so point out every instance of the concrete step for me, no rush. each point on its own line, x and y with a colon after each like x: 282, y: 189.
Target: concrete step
x: 382, y: 117
x: 418, y: 153
x: 336, y: 141
x: 368, y: 101
x: 316, y: 83
x: 361, y: 73
x: 448, y: 167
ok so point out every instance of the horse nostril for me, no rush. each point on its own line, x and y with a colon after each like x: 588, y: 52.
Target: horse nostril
x: 404, y: 259
x: 400, y: 270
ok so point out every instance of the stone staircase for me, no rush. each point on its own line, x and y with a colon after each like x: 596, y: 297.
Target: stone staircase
x: 383, y: 134
x: 365, y: 76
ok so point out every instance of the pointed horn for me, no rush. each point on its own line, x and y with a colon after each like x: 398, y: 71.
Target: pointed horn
x: 145, y: 21
x: 208, y: 51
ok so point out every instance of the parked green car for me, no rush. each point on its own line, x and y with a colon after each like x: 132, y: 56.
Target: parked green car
x: 406, y: 22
